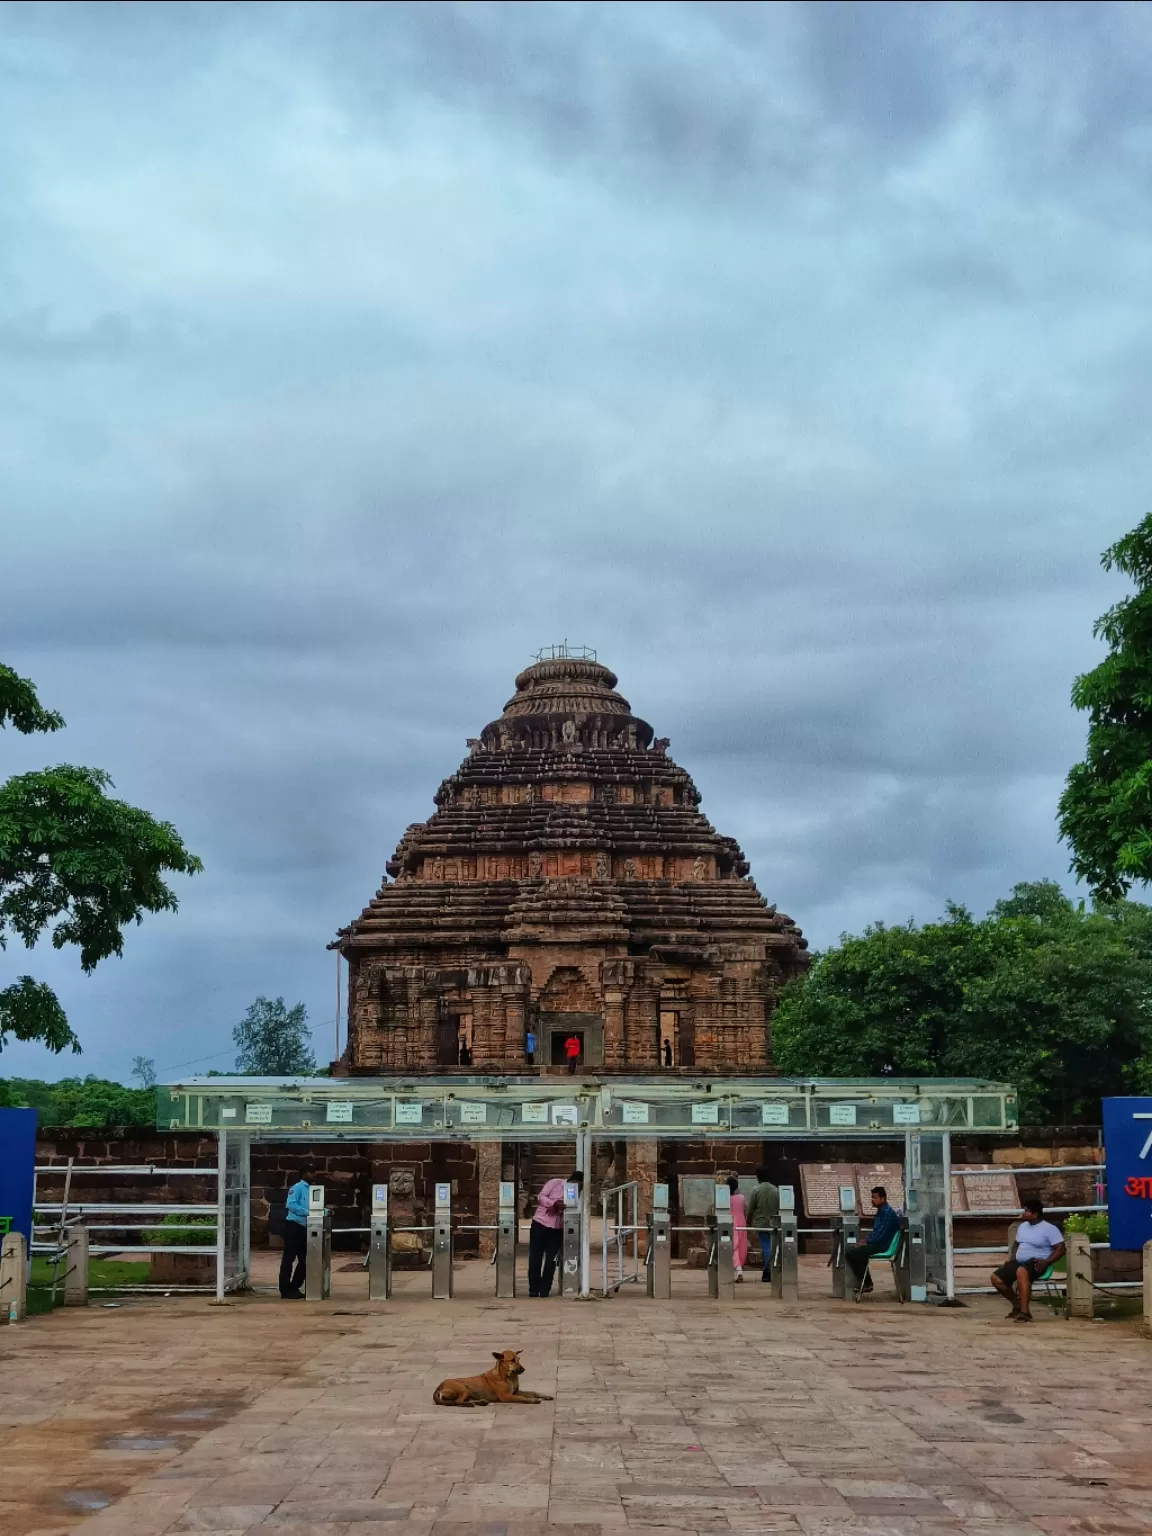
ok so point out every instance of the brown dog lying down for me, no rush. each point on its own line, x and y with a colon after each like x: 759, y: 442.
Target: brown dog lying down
x: 499, y: 1385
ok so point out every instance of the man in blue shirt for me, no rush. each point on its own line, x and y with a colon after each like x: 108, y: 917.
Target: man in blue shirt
x: 295, y: 1240
x: 530, y: 1048
x: 885, y: 1225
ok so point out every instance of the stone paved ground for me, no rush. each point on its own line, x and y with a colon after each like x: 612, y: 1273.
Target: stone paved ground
x: 822, y: 1418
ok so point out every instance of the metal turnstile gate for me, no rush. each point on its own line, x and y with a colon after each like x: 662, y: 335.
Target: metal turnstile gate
x: 442, y: 1244
x: 507, y: 1232
x: 721, y: 1275
x: 318, y: 1254
x: 659, y: 1257
x: 845, y: 1235
x: 785, y: 1277
x: 572, y: 1239
x: 379, y: 1247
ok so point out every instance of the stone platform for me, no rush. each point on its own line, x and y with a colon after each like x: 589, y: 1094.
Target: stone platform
x: 822, y: 1418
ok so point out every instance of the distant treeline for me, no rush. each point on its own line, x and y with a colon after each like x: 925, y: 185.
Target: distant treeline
x: 80, y: 1101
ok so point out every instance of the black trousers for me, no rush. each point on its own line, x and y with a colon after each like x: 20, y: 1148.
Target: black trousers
x: 293, y: 1262
x: 856, y: 1259
x: 544, y: 1244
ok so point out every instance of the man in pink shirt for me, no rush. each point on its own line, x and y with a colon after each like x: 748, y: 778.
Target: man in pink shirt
x: 546, y: 1235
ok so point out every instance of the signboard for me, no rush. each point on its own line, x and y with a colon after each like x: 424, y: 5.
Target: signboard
x: 705, y: 1114
x: 841, y: 1114
x: 339, y: 1114
x: 905, y: 1114
x: 534, y: 1114
x: 409, y: 1114
x: 473, y: 1114
x: 634, y: 1114
x: 991, y: 1188
x: 257, y: 1114
x: 1128, y: 1156
x: 821, y: 1184
x: 889, y: 1175
x: 565, y: 1114
x: 17, y: 1160
x: 773, y: 1114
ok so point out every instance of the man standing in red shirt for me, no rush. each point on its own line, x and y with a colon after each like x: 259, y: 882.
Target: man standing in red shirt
x: 546, y: 1234
x: 572, y: 1052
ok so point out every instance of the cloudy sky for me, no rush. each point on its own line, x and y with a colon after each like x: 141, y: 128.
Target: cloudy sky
x: 797, y: 358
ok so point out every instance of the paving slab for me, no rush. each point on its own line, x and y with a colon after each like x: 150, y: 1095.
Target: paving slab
x: 815, y: 1418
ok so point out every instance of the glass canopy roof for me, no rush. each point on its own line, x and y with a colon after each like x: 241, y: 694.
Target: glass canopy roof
x: 479, y: 1108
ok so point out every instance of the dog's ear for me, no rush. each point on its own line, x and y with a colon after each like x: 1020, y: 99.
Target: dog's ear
x: 498, y: 1354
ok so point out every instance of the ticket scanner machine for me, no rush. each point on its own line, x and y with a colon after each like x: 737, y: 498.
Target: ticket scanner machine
x: 845, y: 1235
x: 659, y: 1258
x: 318, y: 1253
x: 442, y: 1244
x: 785, y: 1282
x: 507, y: 1230
x: 721, y: 1276
x: 570, y: 1251
x: 379, y: 1247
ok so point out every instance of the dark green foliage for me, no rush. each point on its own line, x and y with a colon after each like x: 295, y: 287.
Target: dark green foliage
x: 1106, y: 807
x: 1040, y: 994
x: 182, y: 1232
x: 74, y: 862
x: 274, y: 1041
x: 80, y: 1101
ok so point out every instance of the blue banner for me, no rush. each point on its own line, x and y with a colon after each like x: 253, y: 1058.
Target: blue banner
x: 1128, y: 1153
x: 17, y: 1158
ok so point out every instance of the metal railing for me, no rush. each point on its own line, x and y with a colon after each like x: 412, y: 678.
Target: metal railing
x: 623, y: 1227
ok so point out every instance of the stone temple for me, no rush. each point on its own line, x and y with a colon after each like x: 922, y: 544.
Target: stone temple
x: 566, y: 885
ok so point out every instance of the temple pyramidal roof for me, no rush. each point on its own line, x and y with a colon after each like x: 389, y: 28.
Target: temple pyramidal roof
x: 568, y: 816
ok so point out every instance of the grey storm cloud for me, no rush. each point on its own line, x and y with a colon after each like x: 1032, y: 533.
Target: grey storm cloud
x: 797, y: 357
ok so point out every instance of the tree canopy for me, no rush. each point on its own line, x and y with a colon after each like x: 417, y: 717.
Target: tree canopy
x: 80, y: 1101
x: 1106, y: 807
x: 1040, y: 993
x: 274, y: 1041
x: 75, y: 863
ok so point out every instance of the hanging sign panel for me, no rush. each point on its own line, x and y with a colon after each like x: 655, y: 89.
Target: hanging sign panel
x: 473, y: 1114
x: 339, y: 1114
x: 705, y: 1114
x: 1128, y: 1153
x: 257, y: 1114
x: 773, y: 1114
x: 634, y: 1114
x: 534, y: 1114
x: 409, y: 1114
x: 841, y: 1114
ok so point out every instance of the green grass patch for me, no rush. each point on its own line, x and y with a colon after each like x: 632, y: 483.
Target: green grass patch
x: 103, y: 1272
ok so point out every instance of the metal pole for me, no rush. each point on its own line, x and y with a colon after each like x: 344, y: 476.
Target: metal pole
x: 61, y: 1227
x: 221, y: 1180
x: 585, y: 1138
x: 949, y: 1237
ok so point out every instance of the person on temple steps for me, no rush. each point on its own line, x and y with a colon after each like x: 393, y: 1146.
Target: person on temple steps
x: 739, y: 1229
x: 885, y: 1225
x: 530, y: 1048
x: 1037, y: 1244
x: 763, y: 1206
x: 293, y: 1259
x: 572, y: 1052
x: 546, y: 1234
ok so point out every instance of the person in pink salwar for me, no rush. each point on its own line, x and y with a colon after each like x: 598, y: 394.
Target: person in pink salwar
x: 739, y: 1229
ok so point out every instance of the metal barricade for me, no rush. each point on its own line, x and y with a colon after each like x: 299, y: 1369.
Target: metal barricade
x: 785, y: 1273
x: 507, y: 1233
x: 721, y: 1276
x: 571, y: 1242
x: 379, y: 1247
x: 442, y: 1244
x: 616, y: 1228
x: 658, y: 1261
x: 318, y: 1253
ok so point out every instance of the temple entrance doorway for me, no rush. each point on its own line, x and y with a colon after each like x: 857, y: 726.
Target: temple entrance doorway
x: 588, y: 1028
x: 559, y: 1042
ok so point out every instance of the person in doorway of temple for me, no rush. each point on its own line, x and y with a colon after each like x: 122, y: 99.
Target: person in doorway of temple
x: 530, y: 1048
x: 885, y: 1225
x: 292, y: 1262
x: 572, y: 1052
x: 546, y: 1234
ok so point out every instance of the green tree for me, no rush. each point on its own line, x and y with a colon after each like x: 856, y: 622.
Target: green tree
x: 80, y: 1101
x: 1106, y: 807
x: 1039, y: 993
x: 73, y: 862
x: 144, y: 1068
x: 274, y: 1041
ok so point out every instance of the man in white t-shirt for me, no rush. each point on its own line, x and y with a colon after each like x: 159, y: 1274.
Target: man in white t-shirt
x: 1036, y: 1245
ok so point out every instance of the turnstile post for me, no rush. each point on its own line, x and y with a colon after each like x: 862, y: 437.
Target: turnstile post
x: 507, y: 1232
x: 659, y: 1260
x: 442, y: 1244
x: 570, y: 1252
x: 318, y: 1254
x: 379, y: 1247
x: 721, y: 1278
x: 76, y: 1267
x: 785, y: 1284
x: 845, y: 1235
x: 911, y: 1268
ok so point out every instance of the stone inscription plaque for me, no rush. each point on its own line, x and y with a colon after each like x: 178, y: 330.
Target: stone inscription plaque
x: 992, y: 1189
x: 820, y: 1184
x: 891, y: 1175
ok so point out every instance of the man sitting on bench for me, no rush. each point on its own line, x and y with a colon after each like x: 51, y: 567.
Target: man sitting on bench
x: 1037, y: 1245
x: 885, y: 1225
